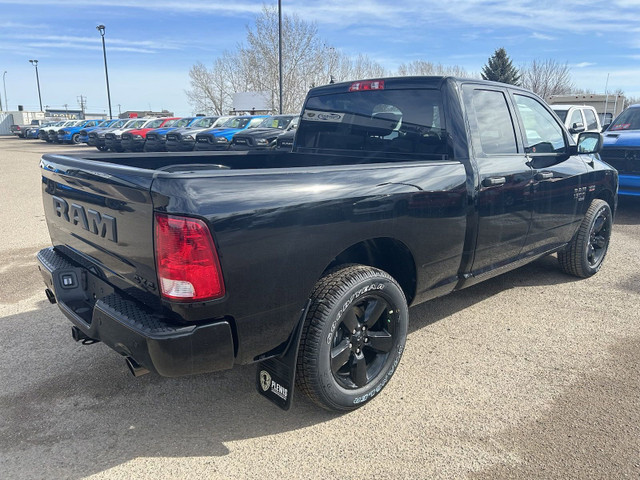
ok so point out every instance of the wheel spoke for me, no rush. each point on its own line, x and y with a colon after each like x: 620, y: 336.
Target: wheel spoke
x: 381, y: 341
x: 590, y: 253
x: 359, y: 370
x: 374, y: 310
x: 599, y: 241
x: 350, y: 319
x: 340, y: 355
x: 599, y: 223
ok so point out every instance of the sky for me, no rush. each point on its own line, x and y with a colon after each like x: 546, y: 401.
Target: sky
x: 151, y: 44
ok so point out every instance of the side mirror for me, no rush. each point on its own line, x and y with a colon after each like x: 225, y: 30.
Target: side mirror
x: 589, y: 142
x: 577, y: 128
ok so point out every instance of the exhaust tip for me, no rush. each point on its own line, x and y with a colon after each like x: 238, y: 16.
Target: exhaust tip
x: 135, y: 368
x: 50, y: 296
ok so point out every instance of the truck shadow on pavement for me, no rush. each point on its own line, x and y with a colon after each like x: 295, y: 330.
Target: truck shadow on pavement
x: 628, y: 212
x: 69, y: 411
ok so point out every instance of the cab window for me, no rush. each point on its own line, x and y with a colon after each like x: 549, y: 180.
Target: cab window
x: 542, y: 134
x: 491, y: 123
x: 590, y: 117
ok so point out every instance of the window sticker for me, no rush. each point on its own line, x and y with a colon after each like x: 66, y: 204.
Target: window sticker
x: 320, y: 116
x: 621, y: 126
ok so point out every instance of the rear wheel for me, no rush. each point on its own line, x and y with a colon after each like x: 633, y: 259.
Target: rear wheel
x: 585, y: 253
x: 352, y: 338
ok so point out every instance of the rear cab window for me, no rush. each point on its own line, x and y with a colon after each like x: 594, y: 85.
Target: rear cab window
x: 403, y: 124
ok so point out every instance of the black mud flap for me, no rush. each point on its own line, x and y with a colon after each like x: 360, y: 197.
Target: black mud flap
x: 275, y: 377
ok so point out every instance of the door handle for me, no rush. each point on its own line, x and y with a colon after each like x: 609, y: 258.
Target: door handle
x: 493, y: 181
x: 544, y: 175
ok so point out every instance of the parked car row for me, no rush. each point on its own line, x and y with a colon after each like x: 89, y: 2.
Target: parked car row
x: 174, y: 134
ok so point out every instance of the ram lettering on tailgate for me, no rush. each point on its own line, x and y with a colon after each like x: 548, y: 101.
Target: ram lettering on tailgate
x: 91, y: 220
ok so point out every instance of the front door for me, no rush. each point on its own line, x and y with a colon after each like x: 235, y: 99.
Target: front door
x: 557, y: 192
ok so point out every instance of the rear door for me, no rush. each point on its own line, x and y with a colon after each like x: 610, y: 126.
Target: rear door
x: 505, y: 178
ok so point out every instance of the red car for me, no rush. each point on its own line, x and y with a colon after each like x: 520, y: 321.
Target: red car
x: 133, y: 140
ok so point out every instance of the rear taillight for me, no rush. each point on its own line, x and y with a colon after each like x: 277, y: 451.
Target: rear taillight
x: 186, y: 259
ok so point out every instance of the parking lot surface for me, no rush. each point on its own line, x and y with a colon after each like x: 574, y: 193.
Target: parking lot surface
x: 532, y: 374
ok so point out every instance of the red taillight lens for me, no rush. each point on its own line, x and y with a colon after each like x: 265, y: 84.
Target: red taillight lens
x: 186, y: 259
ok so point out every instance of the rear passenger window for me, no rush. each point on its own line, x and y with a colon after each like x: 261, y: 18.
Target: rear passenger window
x: 491, y: 124
x: 592, y: 122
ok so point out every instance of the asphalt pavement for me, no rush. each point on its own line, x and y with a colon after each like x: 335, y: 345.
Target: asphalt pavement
x: 529, y: 375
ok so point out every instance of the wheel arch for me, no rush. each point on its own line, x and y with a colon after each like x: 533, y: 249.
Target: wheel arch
x: 608, y: 196
x: 385, y: 253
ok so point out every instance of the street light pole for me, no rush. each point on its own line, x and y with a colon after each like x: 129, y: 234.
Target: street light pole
x: 6, y: 102
x: 35, y: 64
x: 101, y: 29
x: 280, y: 50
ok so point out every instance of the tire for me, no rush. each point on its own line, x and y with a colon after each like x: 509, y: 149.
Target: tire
x: 75, y: 138
x: 585, y: 253
x: 102, y: 148
x: 359, y: 316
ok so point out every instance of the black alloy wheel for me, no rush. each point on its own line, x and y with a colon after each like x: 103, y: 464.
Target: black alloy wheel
x: 363, y: 341
x: 584, y: 255
x: 352, y: 338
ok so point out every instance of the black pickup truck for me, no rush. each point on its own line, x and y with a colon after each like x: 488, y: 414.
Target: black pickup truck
x: 396, y: 191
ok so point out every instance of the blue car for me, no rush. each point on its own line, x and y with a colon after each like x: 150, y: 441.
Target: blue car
x: 71, y: 134
x: 621, y: 150
x: 220, y: 138
x: 156, y: 138
x: 84, y: 133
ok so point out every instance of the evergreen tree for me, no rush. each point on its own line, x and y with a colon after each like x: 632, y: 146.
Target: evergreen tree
x: 500, y: 69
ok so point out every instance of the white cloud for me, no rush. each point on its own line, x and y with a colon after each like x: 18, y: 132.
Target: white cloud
x: 541, y: 36
x: 582, y: 65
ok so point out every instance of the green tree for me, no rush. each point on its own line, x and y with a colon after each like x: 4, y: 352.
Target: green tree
x: 500, y: 69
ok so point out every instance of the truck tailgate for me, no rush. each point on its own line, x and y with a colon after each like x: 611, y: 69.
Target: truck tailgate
x: 101, y: 216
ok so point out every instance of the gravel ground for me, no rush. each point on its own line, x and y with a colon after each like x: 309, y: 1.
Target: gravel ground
x: 529, y: 375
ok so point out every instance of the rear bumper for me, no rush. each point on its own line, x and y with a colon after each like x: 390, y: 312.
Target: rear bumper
x: 129, y: 328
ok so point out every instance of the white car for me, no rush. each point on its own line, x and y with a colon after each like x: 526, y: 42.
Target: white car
x: 578, y: 118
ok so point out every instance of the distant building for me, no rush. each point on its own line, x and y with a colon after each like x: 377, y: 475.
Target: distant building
x: 145, y: 113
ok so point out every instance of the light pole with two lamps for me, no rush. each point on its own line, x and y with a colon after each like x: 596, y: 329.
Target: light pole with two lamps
x: 35, y: 64
x: 101, y: 29
x: 6, y: 102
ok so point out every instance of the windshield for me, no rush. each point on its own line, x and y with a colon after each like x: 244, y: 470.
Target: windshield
x: 628, y: 120
x: 236, y: 122
x: 154, y: 123
x: 170, y: 123
x: 104, y: 123
x: 562, y: 114
x: 119, y: 123
x: 276, y: 122
x: 136, y: 123
x: 204, y: 122
x: 183, y: 122
x: 220, y: 122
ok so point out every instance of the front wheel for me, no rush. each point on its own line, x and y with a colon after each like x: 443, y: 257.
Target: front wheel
x: 585, y: 253
x: 352, y: 338
x: 75, y: 138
